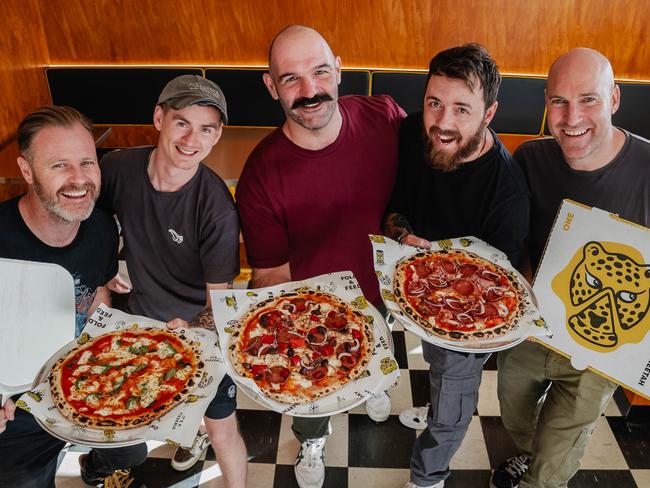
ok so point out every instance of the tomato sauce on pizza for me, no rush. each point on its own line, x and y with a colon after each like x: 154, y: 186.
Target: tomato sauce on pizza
x: 301, y: 346
x: 458, y: 295
x: 125, y: 379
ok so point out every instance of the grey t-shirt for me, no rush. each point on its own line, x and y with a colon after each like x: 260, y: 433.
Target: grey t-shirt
x: 174, y: 242
x: 621, y: 187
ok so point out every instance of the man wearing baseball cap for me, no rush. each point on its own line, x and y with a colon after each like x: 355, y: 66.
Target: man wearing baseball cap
x: 181, y: 239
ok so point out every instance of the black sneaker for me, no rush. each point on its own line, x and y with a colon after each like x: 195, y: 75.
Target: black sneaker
x: 510, y: 472
x: 118, y: 479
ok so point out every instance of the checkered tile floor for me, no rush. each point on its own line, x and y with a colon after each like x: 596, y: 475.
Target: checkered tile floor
x: 361, y: 453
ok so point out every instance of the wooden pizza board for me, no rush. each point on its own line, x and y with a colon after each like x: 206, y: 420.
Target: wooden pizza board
x: 37, y: 318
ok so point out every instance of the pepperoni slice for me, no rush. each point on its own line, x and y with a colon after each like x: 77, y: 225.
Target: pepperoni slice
x: 270, y: 320
x: 416, y: 288
x: 277, y: 374
x: 448, y: 266
x: 316, y: 334
x: 490, y: 310
x: 300, y: 304
x: 493, y: 294
x: 489, y: 275
x: 282, y: 334
x: 464, y: 287
x: 348, y: 361
x: 468, y: 269
x: 254, y: 346
x: 437, y: 282
x: 335, y: 320
x: 317, y: 373
x: 422, y: 270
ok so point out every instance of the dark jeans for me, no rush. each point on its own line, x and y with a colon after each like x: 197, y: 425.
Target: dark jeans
x: 28, y: 455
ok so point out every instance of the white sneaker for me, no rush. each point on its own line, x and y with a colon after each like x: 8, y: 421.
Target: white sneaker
x: 439, y: 484
x: 378, y: 407
x: 415, y: 418
x: 186, y: 457
x: 310, y: 463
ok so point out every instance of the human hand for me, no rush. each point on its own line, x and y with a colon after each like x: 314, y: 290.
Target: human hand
x: 6, y: 414
x: 118, y: 285
x: 415, y: 241
x: 177, y: 323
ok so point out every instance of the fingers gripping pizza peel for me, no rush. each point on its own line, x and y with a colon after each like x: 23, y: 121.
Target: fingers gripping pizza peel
x: 125, y: 379
x: 458, y: 295
x: 301, y: 346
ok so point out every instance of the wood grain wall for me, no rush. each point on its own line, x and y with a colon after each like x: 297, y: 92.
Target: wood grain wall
x: 523, y: 35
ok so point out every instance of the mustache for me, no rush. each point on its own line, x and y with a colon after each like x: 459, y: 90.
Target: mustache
x: 90, y: 187
x: 435, y: 130
x: 319, y: 97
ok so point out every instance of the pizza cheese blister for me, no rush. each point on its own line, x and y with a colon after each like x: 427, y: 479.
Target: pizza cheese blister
x: 307, y: 348
x: 462, y: 293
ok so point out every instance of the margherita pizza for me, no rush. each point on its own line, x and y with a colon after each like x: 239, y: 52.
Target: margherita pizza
x: 458, y: 295
x: 125, y: 379
x: 301, y: 346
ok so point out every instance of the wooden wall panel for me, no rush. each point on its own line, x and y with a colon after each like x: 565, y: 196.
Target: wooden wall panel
x: 524, y: 36
x: 23, y: 52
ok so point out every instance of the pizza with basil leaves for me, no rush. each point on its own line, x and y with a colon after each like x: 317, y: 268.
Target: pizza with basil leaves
x: 125, y: 379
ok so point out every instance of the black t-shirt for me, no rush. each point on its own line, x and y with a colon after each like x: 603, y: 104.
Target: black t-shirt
x: 174, y: 242
x: 485, y: 198
x: 621, y: 187
x: 91, y: 258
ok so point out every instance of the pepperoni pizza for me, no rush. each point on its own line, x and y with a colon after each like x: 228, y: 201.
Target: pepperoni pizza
x: 298, y: 347
x: 458, y: 295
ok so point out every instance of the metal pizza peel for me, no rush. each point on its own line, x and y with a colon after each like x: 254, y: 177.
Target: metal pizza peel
x: 37, y: 318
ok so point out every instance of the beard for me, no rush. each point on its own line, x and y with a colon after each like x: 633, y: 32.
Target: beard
x: 312, y: 124
x: 56, y: 210
x: 450, y: 161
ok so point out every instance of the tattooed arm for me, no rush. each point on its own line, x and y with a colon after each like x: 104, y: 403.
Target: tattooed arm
x: 397, y: 227
x: 204, y: 319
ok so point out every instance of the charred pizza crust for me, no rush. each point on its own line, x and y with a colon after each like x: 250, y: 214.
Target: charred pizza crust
x: 125, y: 379
x: 458, y: 295
x: 301, y: 346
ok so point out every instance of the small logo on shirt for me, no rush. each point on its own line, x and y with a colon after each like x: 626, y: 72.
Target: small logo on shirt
x: 176, y: 237
x: 232, y: 391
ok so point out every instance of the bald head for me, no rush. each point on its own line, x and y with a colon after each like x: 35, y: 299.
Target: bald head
x: 583, y: 60
x: 296, y: 35
x: 581, y: 98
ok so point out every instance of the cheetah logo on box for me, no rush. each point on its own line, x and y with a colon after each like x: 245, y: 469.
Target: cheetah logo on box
x: 606, y: 292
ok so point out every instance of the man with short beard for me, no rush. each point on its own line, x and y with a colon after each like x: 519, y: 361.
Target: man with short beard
x: 454, y: 179
x: 313, y: 189
x: 56, y: 222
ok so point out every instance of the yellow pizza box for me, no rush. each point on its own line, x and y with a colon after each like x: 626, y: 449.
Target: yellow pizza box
x: 593, y: 289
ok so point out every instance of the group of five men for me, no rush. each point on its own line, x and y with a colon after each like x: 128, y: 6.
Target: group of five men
x: 309, y: 195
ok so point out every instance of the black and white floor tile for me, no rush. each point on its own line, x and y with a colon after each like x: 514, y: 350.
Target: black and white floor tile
x: 361, y: 453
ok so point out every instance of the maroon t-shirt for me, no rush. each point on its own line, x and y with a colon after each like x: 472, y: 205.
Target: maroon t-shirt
x: 315, y: 209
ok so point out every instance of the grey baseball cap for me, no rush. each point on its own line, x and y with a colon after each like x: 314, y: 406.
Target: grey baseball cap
x: 186, y: 90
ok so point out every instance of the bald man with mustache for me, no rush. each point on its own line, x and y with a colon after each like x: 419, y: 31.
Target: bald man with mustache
x: 548, y: 407
x: 313, y: 189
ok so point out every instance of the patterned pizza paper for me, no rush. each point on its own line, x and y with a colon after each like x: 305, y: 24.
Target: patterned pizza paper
x: 387, y: 253
x: 382, y: 370
x: 176, y: 427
